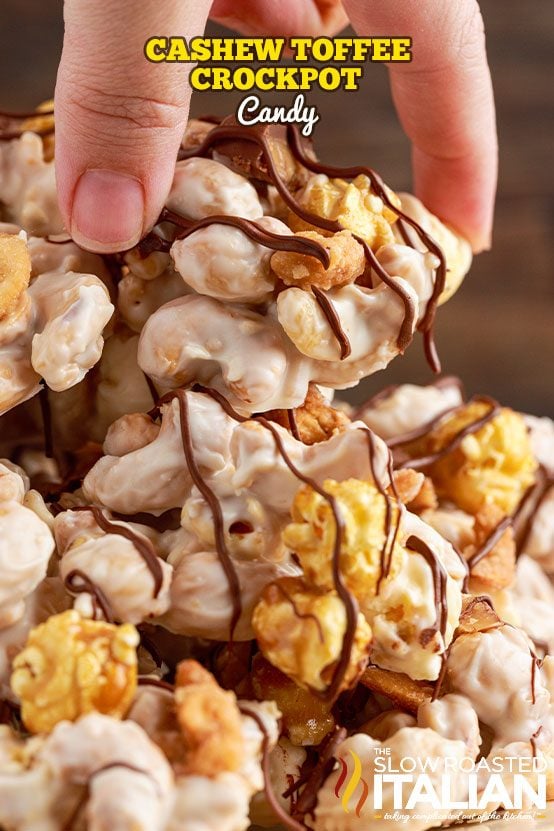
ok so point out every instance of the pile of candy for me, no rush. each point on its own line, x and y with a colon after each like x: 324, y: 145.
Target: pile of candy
x: 221, y: 593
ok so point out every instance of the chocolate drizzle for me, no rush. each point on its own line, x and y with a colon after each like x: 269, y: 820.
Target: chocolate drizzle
x: 86, y: 586
x: 528, y: 507
x: 485, y: 549
x: 297, y: 613
x: 236, y: 133
x: 274, y: 803
x: 313, y: 778
x: 12, y: 124
x: 142, y: 544
x: 259, y: 235
x: 387, y: 549
x: 215, y: 508
x: 349, y: 602
x: 334, y: 322
x: 424, y: 461
x: 440, y: 579
x: 291, y: 418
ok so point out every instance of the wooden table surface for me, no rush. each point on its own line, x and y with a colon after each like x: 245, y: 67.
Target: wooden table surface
x: 498, y: 332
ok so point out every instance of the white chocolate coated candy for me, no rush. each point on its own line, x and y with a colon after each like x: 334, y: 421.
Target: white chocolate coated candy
x: 72, y: 311
x: 112, y: 563
x: 222, y: 262
x: 26, y: 544
x: 28, y: 186
x: 243, y: 354
x: 203, y: 187
x: 409, y: 407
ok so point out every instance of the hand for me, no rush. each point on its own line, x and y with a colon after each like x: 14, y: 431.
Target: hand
x: 119, y: 120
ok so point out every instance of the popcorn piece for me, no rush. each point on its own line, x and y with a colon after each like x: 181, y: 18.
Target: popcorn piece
x: 533, y: 597
x: 312, y: 534
x: 540, y: 541
x: 300, y: 630
x: 285, y: 766
x: 14, y: 482
x: 373, y: 344
x: 25, y: 548
x: 453, y: 717
x: 210, y: 722
x: 347, y: 262
x: 203, y: 187
x: 305, y: 717
x: 386, y: 724
x: 222, y: 262
x: 493, y: 465
x: 208, y: 804
x: 121, y: 387
x: 129, y: 433
x: 72, y: 666
x: 401, y: 604
x: 352, y: 204
x: 408, y: 484
x: 154, y: 478
x: 43, y: 121
x: 64, y: 257
x: 47, y: 599
x: 15, y: 272
x: 147, y: 268
x: 497, y: 569
x: 138, y: 298
x: 18, y: 379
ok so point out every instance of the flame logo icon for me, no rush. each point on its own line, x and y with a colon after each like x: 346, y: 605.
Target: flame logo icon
x: 351, y: 784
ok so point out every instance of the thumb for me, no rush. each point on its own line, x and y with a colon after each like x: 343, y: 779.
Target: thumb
x: 119, y: 118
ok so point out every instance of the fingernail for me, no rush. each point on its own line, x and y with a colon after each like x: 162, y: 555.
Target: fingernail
x: 108, y: 211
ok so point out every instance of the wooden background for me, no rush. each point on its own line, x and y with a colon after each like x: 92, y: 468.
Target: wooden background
x: 498, y: 332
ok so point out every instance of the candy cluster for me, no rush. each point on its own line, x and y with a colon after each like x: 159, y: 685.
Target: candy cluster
x: 220, y: 588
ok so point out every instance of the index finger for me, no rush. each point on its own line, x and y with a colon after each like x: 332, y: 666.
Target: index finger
x: 445, y: 102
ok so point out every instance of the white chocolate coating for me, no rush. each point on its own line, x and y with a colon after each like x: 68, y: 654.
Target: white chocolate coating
x: 26, y: 544
x: 28, y: 186
x: 404, y: 646
x: 241, y: 353
x: 222, y: 262
x: 409, y: 407
x: 87, y: 752
x: 138, y: 299
x: 72, y: 311
x: 493, y: 669
x: 201, y: 603
x: 154, y: 477
x: 203, y: 187
x: 114, y: 565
